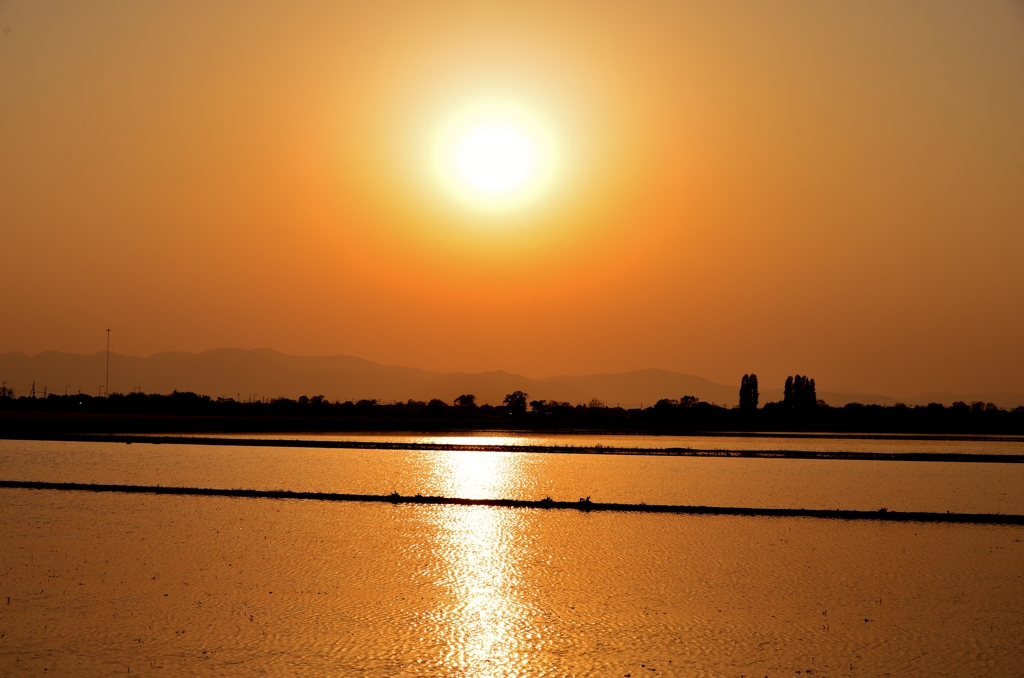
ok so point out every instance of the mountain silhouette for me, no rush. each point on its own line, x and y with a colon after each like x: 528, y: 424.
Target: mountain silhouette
x: 265, y: 373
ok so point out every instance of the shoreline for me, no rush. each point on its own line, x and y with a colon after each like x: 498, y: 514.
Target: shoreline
x: 584, y: 505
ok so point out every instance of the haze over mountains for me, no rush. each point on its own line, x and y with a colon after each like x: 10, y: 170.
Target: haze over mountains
x: 264, y: 373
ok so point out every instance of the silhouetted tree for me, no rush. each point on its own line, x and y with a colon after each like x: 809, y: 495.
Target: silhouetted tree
x: 665, y: 404
x: 516, y: 402
x: 748, y: 392
x: 689, y: 402
x: 437, y: 407
x: 799, y: 393
x: 466, y: 400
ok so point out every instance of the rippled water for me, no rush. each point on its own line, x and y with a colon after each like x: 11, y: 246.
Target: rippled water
x: 770, y: 483
x: 99, y: 584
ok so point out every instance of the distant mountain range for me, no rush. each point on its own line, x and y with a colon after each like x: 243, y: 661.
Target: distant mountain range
x: 264, y: 373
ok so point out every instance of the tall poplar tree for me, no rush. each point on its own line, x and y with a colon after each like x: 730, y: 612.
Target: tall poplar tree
x: 748, y: 392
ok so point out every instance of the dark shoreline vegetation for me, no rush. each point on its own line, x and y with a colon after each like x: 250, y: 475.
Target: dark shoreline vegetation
x: 186, y: 412
x: 584, y: 504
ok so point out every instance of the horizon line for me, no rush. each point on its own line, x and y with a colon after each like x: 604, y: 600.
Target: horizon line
x: 836, y: 390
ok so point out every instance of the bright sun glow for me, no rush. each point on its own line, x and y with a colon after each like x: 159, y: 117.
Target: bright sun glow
x: 495, y: 158
x: 495, y: 153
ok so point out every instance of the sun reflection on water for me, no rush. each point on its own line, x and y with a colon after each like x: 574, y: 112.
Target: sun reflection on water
x: 486, y: 620
x: 475, y: 475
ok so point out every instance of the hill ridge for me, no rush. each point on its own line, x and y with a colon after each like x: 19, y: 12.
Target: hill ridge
x: 265, y: 372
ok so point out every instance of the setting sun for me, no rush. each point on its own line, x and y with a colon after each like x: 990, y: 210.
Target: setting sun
x: 495, y: 158
x: 495, y: 153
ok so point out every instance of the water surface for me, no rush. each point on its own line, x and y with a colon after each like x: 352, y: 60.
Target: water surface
x: 767, y: 483
x: 199, y: 586
x: 97, y: 584
x: 833, y: 443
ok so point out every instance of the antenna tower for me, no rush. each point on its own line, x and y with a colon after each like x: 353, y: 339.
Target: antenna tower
x: 106, y: 387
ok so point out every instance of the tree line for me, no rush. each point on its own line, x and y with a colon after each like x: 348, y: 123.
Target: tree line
x: 798, y: 393
x: 798, y: 410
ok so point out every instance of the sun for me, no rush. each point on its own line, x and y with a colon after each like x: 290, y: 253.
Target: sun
x: 495, y: 153
x: 496, y: 158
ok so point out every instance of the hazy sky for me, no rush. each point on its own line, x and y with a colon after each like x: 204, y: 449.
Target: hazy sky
x: 834, y: 189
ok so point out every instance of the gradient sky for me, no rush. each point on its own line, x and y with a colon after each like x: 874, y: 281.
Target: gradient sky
x: 834, y: 189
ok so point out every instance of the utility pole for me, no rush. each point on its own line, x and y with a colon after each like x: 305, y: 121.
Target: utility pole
x: 106, y: 387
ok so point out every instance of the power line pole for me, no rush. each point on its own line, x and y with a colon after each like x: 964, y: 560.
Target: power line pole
x: 106, y: 387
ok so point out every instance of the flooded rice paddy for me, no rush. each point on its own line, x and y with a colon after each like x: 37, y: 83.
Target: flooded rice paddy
x: 767, y: 483
x: 757, y: 442
x: 100, y: 584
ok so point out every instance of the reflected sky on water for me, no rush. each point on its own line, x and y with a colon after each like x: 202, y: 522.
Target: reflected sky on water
x: 834, y: 443
x: 770, y: 483
x: 203, y: 586
x: 212, y: 586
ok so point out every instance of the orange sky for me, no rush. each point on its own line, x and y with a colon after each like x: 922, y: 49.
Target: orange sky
x: 834, y: 189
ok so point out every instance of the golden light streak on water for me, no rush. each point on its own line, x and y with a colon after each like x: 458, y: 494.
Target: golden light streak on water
x: 477, y: 547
